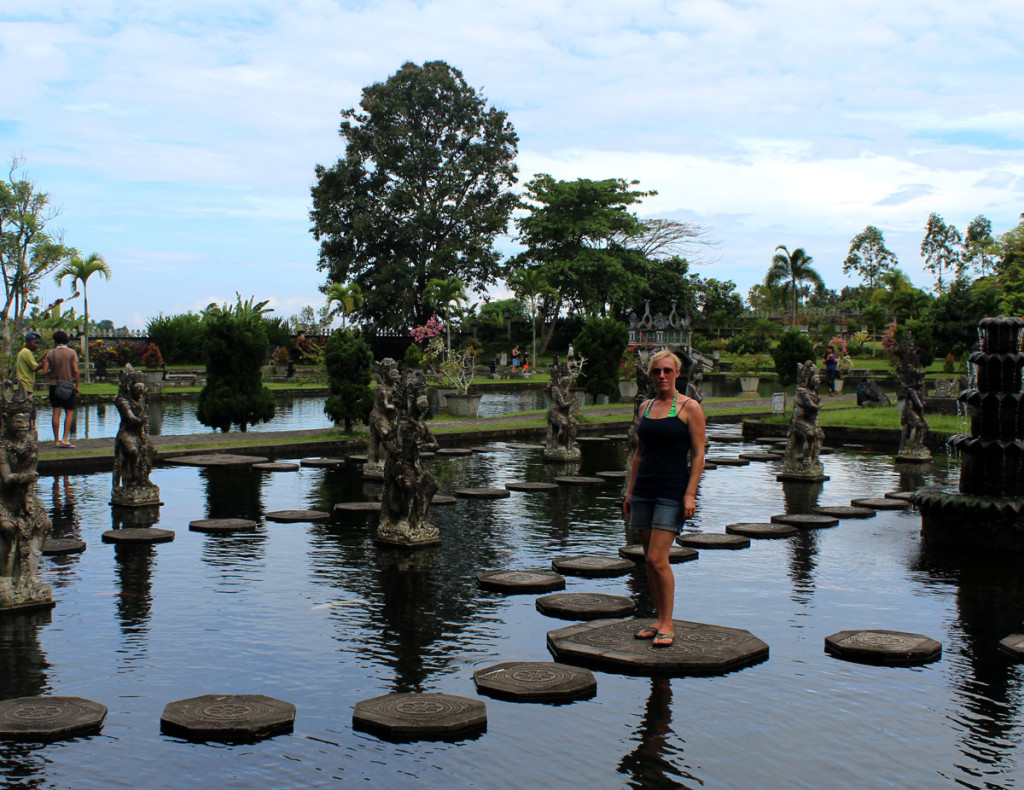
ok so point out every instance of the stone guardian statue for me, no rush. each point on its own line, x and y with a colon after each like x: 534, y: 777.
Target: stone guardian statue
x: 133, y: 450
x: 560, y: 444
x: 914, y: 425
x: 805, y: 436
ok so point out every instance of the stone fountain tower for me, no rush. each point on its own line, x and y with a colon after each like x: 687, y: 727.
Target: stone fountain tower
x: 987, y: 510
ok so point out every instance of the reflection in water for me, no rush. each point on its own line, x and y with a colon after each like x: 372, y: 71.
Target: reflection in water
x: 233, y: 492
x: 66, y: 522
x: 23, y: 673
x: 650, y: 764
x: 134, y: 570
x: 803, y: 547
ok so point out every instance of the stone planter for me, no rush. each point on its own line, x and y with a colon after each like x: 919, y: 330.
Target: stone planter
x: 749, y: 384
x: 462, y: 405
x: 154, y: 378
x: 280, y: 369
x: 580, y: 395
x: 627, y: 390
x: 837, y: 385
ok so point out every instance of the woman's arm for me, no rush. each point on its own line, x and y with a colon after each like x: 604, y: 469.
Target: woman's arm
x: 634, y: 465
x: 697, y: 426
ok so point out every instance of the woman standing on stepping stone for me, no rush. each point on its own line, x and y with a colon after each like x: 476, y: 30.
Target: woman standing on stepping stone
x: 662, y: 491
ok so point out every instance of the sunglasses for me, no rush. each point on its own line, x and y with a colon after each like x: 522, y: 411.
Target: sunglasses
x: 662, y: 371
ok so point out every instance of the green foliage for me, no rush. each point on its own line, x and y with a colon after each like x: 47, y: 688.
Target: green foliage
x: 277, y: 329
x: 942, y: 250
x: 492, y: 314
x: 180, y: 336
x: 422, y: 191
x: 980, y: 248
x: 793, y: 348
x: 601, y: 342
x: 954, y: 315
x: 349, y: 364
x: 152, y: 358
x: 869, y: 258
x: 789, y: 270
x: 235, y: 343
x: 923, y: 339
x: 413, y: 355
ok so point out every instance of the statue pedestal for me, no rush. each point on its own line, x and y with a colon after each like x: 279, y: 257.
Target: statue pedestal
x: 373, y: 470
x: 24, y: 596
x: 405, y: 535
x: 562, y: 454
x: 135, y: 496
x: 914, y: 456
x: 802, y: 472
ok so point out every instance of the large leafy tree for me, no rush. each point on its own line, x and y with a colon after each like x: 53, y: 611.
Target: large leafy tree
x: 869, y: 258
x: 791, y: 270
x: 1010, y: 270
x: 575, y: 233
x: 423, y: 189
x: 980, y: 248
x: 942, y: 250
x: 80, y: 271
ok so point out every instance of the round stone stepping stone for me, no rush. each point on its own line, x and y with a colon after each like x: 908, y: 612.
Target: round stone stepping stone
x: 219, y: 525
x: 49, y: 718
x: 535, y: 681
x: 826, y: 451
x: 805, y: 520
x: 904, y: 495
x: 698, y: 649
x: 443, y: 499
x: 593, y: 566
x: 635, y: 552
x: 585, y: 606
x: 511, y: 581
x: 709, y: 465
x: 54, y: 547
x: 726, y: 461
x: 296, y: 516
x: 426, y: 455
x: 323, y: 463
x: 526, y: 485
x: 612, y: 474
x: 761, y: 529
x: 759, y: 456
x: 357, y: 459
x: 217, y: 459
x: 524, y: 446
x: 714, y: 540
x: 896, y: 648
x: 487, y: 449
x: 578, y: 480
x: 227, y: 717
x: 1012, y: 645
x: 591, y: 439
x: 276, y: 466
x: 420, y: 716
x: 880, y: 503
x: 358, y: 507
x: 454, y: 452
x: 617, y: 437
x: 138, y: 535
x: 770, y: 440
x: 846, y: 511
x: 481, y: 493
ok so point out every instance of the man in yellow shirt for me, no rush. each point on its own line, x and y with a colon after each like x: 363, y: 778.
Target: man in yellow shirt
x: 25, y: 367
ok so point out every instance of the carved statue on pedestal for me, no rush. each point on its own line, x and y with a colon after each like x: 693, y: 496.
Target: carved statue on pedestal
x: 562, y: 423
x: 133, y: 450
x: 805, y: 436
x: 915, y: 427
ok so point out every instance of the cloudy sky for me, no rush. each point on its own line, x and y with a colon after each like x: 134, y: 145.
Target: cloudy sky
x: 179, y: 138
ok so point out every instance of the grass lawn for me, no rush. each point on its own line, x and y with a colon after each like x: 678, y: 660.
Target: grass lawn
x: 884, y: 418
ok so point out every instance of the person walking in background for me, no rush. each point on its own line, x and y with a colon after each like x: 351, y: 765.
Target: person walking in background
x: 25, y: 368
x: 663, y: 480
x: 515, y: 359
x: 61, y: 363
x: 571, y: 353
x: 831, y: 369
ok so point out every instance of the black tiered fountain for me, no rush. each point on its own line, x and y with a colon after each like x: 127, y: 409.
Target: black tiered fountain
x: 988, y: 509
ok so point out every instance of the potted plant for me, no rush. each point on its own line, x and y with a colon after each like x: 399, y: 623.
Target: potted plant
x: 456, y: 372
x: 845, y: 367
x: 627, y: 373
x: 153, y: 362
x: 747, y: 369
x: 281, y: 360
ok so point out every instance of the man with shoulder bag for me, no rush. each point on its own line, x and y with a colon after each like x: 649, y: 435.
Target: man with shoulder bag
x: 61, y: 363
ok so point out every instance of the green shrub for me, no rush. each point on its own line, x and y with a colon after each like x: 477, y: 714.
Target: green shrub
x: 413, y: 356
x: 349, y: 364
x: 180, y: 337
x: 601, y: 342
x: 793, y: 348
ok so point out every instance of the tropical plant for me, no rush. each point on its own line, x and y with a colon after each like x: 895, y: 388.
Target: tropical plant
x: 529, y: 285
x: 80, y: 271
x: 443, y: 294
x: 348, y: 298
x: 792, y: 269
x: 457, y: 369
x: 349, y: 364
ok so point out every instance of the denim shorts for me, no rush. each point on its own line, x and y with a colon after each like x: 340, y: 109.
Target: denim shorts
x: 656, y: 513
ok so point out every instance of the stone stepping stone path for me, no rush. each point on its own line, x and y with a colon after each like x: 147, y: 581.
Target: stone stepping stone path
x: 49, y: 718
x: 276, y: 466
x: 761, y: 529
x: 776, y: 440
x: 223, y: 525
x: 324, y: 463
x: 805, y: 520
x: 217, y: 459
x: 759, y: 456
x: 585, y: 606
x: 426, y: 456
x: 846, y: 511
x: 454, y: 452
x: 727, y: 461
x: 296, y: 516
x: 591, y: 439
x: 617, y: 437
x: 535, y: 681
x: 487, y: 449
x: 511, y: 581
x: 698, y: 649
x: 893, y: 648
x: 525, y: 485
x: 904, y: 495
x: 55, y: 547
x: 578, y: 480
x: 676, y: 554
x: 482, y: 493
x: 420, y: 716
x: 714, y: 540
x: 227, y: 717
x: 593, y: 566
x: 357, y: 459
x: 826, y: 451
x: 1013, y: 645
x: 880, y: 503
x: 709, y: 465
x: 442, y: 499
x: 612, y: 474
x: 138, y: 535
x: 524, y: 446
x: 358, y: 507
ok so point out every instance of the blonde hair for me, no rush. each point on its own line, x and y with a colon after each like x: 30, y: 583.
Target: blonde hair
x: 662, y: 355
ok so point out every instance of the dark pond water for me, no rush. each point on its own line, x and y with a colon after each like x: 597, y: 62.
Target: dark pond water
x: 321, y: 617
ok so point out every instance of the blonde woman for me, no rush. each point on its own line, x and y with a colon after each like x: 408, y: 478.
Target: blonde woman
x: 663, y: 482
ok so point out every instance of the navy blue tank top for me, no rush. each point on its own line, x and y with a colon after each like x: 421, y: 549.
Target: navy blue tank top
x: 664, y: 470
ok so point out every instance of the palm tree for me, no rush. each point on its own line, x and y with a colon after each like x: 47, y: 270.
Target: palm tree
x: 529, y: 285
x: 788, y: 269
x: 80, y: 271
x: 442, y: 294
x: 349, y: 299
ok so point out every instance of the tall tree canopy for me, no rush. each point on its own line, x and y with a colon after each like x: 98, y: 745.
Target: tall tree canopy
x: 869, y: 258
x: 980, y: 247
x: 789, y: 270
x: 942, y: 250
x: 421, y: 193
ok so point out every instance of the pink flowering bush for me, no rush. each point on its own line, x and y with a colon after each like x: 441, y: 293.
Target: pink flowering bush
x: 427, y: 332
